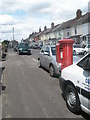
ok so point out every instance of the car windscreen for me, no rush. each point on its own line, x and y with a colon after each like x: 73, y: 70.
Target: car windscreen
x: 53, y: 49
x: 24, y: 45
x: 88, y: 46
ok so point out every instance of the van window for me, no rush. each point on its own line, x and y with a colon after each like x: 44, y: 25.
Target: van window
x: 82, y: 62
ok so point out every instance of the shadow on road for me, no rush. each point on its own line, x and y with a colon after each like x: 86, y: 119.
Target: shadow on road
x: 47, y: 71
x: 86, y: 116
x: 83, y: 114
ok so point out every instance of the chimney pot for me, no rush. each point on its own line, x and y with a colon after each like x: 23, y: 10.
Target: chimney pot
x: 45, y: 28
x: 39, y: 29
x: 52, y: 25
x: 78, y: 13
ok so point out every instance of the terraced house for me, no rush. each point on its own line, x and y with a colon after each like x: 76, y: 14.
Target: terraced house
x: 77, y: 28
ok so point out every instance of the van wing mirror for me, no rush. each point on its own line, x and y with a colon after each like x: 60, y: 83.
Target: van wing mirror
x: 88, y: 64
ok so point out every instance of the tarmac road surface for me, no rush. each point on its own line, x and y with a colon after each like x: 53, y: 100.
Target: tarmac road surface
x: 30, y: 91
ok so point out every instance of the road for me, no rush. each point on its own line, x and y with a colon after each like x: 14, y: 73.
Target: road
x: 30, y: 91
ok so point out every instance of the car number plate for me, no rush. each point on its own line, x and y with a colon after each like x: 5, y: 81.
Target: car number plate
x: 25, y: 51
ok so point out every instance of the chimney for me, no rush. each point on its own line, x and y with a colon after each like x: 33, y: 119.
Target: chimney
x: 52, y: 25
x: 78, y: 13
x: 45, y: 27
x: 39, y: 29
x: 32, y: 33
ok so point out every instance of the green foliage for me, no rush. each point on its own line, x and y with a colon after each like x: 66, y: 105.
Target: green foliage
x: 5, y: 43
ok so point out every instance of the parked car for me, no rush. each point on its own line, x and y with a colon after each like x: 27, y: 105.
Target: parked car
x: 34, y: 45
x: 47, y: 59
x: 24, y: 48
x: 75, y: 85
x: 87, y: 49
x: 77, y: 49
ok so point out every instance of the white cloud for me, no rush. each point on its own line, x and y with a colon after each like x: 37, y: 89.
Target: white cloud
x: 7, y: 19
x: 27, y: 16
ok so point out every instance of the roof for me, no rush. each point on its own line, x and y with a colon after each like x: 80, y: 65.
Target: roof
x: 84, y: 19
x: 50, y: 29
x: 65, y: 25
x: 38, y: 34
x: 33, y: 35
x: 73, y: 22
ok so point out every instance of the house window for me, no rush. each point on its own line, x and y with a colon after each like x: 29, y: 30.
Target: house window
x: 67, y: 33
x: 84, y: 38
x: 75, y: 29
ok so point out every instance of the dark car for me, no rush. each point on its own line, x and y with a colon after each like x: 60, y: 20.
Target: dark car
x: 24, y: 48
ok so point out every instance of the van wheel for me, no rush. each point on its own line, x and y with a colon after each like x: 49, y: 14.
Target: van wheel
x: 51, y: 71
x: 72, y: 99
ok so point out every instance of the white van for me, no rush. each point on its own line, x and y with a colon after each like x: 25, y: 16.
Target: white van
x: 75, y: 84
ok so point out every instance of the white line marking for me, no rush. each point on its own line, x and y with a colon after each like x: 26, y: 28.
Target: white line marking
x: 35, y: 60
x: 11, y: 54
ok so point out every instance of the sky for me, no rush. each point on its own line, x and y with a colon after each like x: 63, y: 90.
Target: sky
x: 27, y: 16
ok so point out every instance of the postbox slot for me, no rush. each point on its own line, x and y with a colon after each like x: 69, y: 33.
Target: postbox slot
x: 61, y: 55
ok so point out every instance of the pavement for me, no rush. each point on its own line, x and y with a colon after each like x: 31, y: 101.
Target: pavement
x: 1, y: 72
x: 0, y: 91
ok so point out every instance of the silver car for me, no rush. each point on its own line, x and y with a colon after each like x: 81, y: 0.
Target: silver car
x: 47, y: 59
x: 77, y: 49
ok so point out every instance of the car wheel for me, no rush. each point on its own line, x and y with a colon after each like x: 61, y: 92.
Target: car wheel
x: 18, y: 52
x: 51, y: 71
x: 39, y: 63
x: 85, y: 53
x: 74, y: 52
x: 72, y: 99
x: 28, y: 53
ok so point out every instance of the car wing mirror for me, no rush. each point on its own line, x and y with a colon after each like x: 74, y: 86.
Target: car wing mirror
x: 46, y: 53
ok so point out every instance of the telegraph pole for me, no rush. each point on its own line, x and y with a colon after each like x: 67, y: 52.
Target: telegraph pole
x: 13, y: 33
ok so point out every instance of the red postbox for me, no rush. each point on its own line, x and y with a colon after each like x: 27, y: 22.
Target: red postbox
x: 64, y: 52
